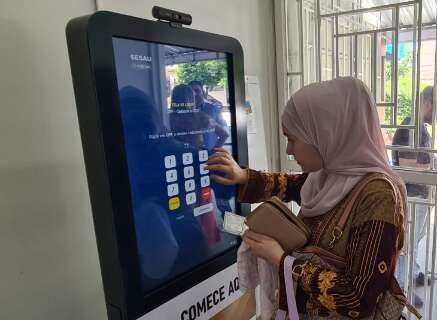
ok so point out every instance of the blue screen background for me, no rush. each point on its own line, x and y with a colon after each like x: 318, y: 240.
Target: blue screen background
x: 168, y: 136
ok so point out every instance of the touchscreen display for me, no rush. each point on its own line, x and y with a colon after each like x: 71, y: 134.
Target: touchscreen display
x: 175, y: 111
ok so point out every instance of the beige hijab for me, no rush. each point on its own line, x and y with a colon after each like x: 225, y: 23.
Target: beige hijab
x: 339, y: 118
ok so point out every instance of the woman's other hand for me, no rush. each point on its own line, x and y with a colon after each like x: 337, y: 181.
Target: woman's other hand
x: 222, y: 161
x: 264, y: 247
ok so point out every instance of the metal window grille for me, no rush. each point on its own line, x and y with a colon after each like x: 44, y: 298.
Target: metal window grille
x: 323, y: 39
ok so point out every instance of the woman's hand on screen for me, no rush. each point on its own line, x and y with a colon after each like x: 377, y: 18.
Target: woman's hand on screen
x: 223, y: 162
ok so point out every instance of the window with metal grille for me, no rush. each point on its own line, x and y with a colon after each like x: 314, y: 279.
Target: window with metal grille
x: 391, y: 46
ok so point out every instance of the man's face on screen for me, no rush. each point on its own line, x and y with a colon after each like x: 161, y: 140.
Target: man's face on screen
x: 198, y: 94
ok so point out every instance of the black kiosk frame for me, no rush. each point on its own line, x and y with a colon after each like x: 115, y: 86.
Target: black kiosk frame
x: 93, y: 70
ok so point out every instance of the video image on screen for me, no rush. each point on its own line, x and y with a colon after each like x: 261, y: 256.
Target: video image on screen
x: 175, y: 110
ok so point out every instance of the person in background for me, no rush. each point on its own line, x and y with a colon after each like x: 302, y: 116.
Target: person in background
x: 215, y: 112
x: 324, y: 123
x: 404, y: 137
x: 164, y: 242
x: 194, y: 125
x: 185, y: 116
x: 212, y: 110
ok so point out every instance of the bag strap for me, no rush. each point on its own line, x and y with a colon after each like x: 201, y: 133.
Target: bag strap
x: 337, y: 232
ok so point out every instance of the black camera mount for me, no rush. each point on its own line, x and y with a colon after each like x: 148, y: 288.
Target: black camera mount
x: 174, y: 18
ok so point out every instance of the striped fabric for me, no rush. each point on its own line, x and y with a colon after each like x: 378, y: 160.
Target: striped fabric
x: 369, y: 245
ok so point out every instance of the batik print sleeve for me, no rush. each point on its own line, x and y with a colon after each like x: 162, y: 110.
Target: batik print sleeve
x: 370, y: 264
x: 262, y: 185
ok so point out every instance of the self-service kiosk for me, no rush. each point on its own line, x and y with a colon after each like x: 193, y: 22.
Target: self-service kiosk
x: 154, y: 100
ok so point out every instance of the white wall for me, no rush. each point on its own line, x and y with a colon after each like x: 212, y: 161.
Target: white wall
x: 249, y: 21
x: 49, y: 266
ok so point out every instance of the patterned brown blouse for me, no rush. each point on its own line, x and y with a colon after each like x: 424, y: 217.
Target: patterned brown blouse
x: 370, y: 243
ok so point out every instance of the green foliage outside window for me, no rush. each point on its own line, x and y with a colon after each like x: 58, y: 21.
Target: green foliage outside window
x: 212, y: 74
x: 405, y: 87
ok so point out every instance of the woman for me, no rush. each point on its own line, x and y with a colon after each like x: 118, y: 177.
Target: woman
x: 334, y: 134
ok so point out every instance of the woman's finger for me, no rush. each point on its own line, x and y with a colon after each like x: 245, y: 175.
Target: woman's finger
x: 252, y: 235
x: 218, y: 159
x: 219, y: 167
x: 217, y: 154
x: 248, y: 233
x: 257, y: 236
x: 254, y: 247
x: 220, y: 155
x: 221, y: 149
x: 225, y: 155
x: 251, y: 243
x: 261, y: 237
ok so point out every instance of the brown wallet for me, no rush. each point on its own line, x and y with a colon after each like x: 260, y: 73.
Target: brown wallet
x: 274, y: 219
